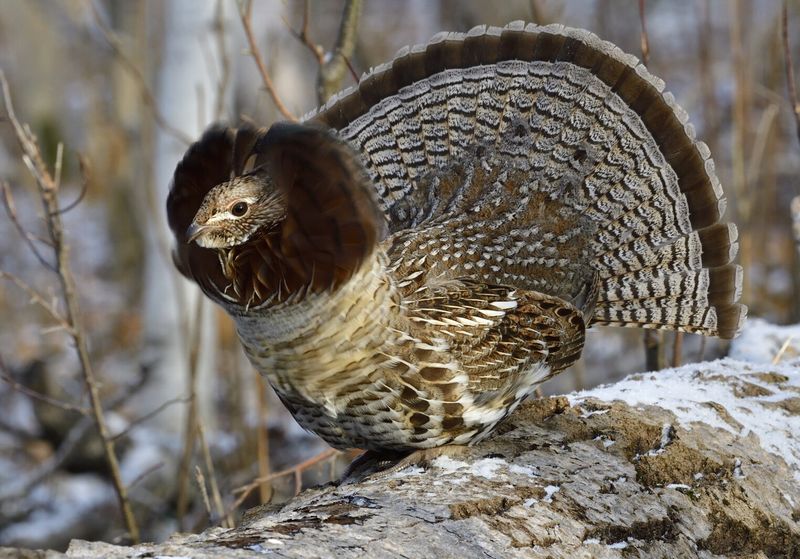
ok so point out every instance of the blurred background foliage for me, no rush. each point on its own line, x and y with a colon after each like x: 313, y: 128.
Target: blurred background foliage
x: 102, y: 78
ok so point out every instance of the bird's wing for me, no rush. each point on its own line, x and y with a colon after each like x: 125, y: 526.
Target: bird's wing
x: 495, y: 333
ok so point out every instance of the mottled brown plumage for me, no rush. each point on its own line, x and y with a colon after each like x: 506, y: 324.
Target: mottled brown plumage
x: 407, y: 266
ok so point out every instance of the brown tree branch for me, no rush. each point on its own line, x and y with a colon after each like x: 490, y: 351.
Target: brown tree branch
x: 644, y: 39
x: 305, y: 38
x: 39, y: 299
x: 295, y: 470
x: 48, y: 192
x: 190, y: 429
x: 5, y: 375
x: 789, y: 67
x: 11, y: 210
x: 262, y: 439
x: 332, y: 71
x: 246, y: 15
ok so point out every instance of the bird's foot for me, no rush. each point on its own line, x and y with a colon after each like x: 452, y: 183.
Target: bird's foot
x: 424, y: 457
x: 386, y: 463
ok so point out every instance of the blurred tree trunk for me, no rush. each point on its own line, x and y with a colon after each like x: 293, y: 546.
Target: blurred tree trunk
x: 187, y: 92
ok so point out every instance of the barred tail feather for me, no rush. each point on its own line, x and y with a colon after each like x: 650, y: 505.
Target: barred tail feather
x: 596, y: 125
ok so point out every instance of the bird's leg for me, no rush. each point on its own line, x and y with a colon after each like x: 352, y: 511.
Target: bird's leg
x: 389, y: 462
x: 424, y: 457
x: 370, y: 462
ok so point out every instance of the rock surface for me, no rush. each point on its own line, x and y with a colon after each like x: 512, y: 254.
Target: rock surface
x: 700, y: 461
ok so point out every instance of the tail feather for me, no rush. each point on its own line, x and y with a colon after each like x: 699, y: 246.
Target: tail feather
x: 585, y: 120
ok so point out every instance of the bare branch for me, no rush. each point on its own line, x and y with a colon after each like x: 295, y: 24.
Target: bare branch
x: 48, y: 192
x: 245, y: 14
x: 190, y: 432
x: 782, y: 350
x: 215, y: 494
x: 39, y: 299
x: 304, y: 37
x: 789, y: 67
x: 142, y: 418
x: 201, y: 484
x: 65, y: 450
x: 83, y: 163
x: 332, y: 71
x: 262, y: 439
x: 147, y: 96
x: 645, y: 41
x: 11, y: 210
x: 245, y: 490
x: 5, y: 375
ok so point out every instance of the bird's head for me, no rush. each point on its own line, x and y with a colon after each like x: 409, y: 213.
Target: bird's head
x: 233, y: 212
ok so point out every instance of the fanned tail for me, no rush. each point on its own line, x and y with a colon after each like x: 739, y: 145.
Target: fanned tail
x: 588, y: 118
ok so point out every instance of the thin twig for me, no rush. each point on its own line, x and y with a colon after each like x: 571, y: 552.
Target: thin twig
x: 138, y: 479
x: 5, y: 375
x: 147, y: 95
x: 142, y: 418
x: 185, y: 466
x: 246, y: 15
x: 83, y: 164
x: 11, y: 210
x: 48, y: 191
x: 215, y: 494
x: 65, y: 451
x: 765, y: 126
x: 791, y: 85
x: 643, y: 38
x: 782, y: 350
x: 262, y: 439
x: 39, y: 299
x: 201, y: 484
x: 305, y: 38
x: 69, y: 445
x: 245, y: 490
x: 332, y: 71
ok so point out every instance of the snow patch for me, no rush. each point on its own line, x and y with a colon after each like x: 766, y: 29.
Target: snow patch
x: 680, y: 391
x: 487, y: 467
x: 679, y: 486
x: 524, y: 470
x: 549, y: 491
x: 409, y: 471
x: 448, y: 464
x: 737, y: 469
x: 761, y: 342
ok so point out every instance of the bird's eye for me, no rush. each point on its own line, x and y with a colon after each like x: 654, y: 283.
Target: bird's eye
x: 239, y: 209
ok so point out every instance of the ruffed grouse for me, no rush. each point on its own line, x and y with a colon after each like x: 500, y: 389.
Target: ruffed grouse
x: 411, y: 262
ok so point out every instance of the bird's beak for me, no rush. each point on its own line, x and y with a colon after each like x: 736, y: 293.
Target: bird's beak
x: 195, y: 231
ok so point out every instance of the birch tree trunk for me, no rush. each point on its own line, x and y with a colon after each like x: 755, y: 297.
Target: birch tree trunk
x: 187, y: 96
